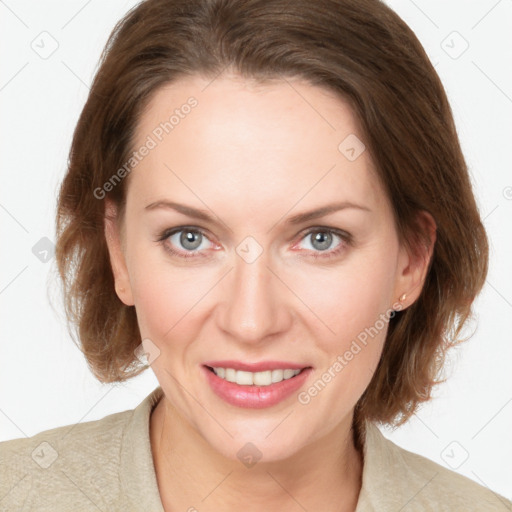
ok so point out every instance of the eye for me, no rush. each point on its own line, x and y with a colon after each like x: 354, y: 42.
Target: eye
x: 191, y: 242
x: 183, y: 240
x: 321, y: 241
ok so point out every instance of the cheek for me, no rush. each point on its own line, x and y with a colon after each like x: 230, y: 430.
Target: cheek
x: 161, y: 293
x: 168, y: 298
x: 162, y: 301
x: 353, y: 305
x: 355, y: 316
x: 349, y: 299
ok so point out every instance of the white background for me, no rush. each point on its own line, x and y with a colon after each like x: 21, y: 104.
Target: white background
x: 44, y: 381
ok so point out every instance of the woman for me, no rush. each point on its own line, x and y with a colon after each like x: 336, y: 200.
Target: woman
x: 260, y: 202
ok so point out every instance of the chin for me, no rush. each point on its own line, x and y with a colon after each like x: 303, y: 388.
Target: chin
x: 258, y: 441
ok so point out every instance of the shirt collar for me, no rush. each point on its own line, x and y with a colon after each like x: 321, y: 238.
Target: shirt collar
x: 140, y: 488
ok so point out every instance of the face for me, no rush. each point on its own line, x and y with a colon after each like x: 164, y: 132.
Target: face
x: 236, y: 277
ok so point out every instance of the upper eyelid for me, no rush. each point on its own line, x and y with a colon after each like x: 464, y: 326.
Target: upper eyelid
x: 166, y: 233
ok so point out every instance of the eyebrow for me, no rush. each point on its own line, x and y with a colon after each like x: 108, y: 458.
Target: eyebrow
x: 294, y: 219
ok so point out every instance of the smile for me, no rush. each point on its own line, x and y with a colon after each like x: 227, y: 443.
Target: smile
x: 266, y: 385
x: 265, y: 378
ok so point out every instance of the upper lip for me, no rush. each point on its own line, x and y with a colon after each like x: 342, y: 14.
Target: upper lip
x: 257, y: 366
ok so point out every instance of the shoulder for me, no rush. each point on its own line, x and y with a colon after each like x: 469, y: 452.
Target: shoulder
x: 400, y: 478
x: 438, y: 484
x: 74, y: 463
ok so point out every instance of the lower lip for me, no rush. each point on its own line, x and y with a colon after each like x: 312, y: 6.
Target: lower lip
x: 255, y: 397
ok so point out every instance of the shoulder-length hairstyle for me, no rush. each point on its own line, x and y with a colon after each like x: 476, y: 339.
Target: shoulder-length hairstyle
x: 365, y: 53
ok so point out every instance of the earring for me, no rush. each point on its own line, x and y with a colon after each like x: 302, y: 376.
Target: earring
x: 402, y: 297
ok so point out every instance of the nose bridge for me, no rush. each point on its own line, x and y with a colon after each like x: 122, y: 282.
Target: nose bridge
x: 252, y: 302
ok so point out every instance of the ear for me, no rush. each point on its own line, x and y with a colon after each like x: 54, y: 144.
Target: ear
x: 414, y: 261
x: 116, y: 252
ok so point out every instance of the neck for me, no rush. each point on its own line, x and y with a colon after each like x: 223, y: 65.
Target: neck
x: 326, y: 475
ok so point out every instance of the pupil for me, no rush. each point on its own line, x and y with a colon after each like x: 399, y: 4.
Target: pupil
x: 324, y: 239
x: 187, y: 239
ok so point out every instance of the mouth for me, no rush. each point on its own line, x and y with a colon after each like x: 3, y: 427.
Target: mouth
x: 255, y: 385
x: 262, y: 378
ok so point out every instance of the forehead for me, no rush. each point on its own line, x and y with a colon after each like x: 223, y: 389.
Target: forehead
x: 241, y: 140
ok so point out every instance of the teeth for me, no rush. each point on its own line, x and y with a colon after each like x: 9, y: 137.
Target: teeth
x: 288, y: 373
x: 277, y: 375
x: 265, y: 378
x: 244, y: 378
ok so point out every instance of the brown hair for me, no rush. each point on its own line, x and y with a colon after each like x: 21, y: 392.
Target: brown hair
x: 365, y: 53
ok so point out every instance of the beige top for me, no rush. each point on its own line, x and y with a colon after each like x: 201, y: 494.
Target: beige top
x: 107, y: 465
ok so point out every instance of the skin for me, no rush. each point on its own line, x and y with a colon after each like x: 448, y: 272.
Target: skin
x: 253, y: 156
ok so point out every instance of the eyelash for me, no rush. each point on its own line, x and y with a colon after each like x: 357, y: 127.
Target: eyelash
x: 346, y: 239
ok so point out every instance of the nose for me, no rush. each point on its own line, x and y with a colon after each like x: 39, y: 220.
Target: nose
x: 254, y: 305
